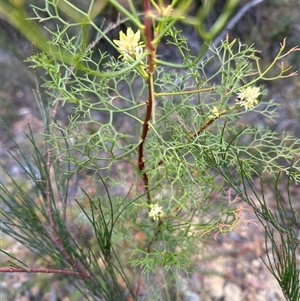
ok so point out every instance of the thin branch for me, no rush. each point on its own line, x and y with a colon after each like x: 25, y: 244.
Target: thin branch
x: 45, y: 271
x: 184, y: 92
x: 208, y: 123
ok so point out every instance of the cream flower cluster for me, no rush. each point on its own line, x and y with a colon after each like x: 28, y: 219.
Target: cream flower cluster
x: 248, y: 97
x: 156, y: 212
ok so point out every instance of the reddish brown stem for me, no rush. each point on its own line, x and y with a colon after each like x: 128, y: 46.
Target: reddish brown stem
x: 149, y: 103
x: 141, y: 162
x: 208, y: 123
x: 205, y: 126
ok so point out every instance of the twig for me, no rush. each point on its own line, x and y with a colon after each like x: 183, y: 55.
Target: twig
x: 44, y: 271
x: 206, y: 125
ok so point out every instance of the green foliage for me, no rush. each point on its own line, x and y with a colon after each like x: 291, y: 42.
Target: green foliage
x: 281, y: 227
x: 156, y: 139
x: 284, y: 253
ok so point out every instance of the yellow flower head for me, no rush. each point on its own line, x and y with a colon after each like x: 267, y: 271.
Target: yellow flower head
x: 129, y: 45
x: 156, y: 212
x: 248, y: 97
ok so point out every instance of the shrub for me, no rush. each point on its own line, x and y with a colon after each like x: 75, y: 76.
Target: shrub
x: 161, y: 143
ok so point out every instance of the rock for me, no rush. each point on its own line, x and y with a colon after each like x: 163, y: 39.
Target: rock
x: 214, y: 286
x: 232, y: 292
